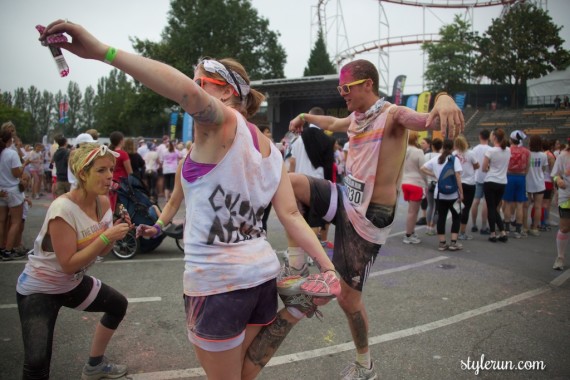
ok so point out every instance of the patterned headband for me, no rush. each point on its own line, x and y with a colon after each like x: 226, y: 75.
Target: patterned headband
x: 230, y: 76
x: 101, y: 150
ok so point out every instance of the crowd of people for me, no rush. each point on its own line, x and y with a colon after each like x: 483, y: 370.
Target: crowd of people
x: 518, y: 184
x: 232, y: 276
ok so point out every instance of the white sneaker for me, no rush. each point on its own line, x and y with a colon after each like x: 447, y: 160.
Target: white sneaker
x: 412, y: 239
x: 558, y: 264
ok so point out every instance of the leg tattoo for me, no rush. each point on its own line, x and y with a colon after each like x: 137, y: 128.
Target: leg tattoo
x: 268, y: 341
x: 359, y: 329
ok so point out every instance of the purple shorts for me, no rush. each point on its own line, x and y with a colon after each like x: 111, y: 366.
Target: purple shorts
x: 217, y: 322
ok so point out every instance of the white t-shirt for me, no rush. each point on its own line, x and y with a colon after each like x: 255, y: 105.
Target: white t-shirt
x: 43, y: 273
x: 9, y: 160
x: 436, y: 168
x: 303, y: 164
x: 467, y: 160
x: 428, y: 156
x: 535, y: 175
x: 414, y: 160
x: 142, y: 150
x: 479, y: 152
x: 498, y: 164
x: 170, y: 162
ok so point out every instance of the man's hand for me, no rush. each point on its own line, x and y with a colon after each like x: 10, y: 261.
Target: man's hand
x: 296, y: 125
x: 450, y: 117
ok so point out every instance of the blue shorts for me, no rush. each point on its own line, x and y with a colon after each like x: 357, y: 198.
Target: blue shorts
x: 515, y: 191
x: 217, y: 322
x: 479, y: 193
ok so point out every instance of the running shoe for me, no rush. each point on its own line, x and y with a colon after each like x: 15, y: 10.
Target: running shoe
x: 517, y: 235
x: 421, y: 221
x: 533, y: 232
x: 7, y: 255
x: 430, y: 232
x: 464, y: 236
x: 485, y: 231
x: 104, y: 370
x: 319, y: 285
x: 355, y: 371
x: 455, y: 246
x: 287, y: 270
x: 412, y: 239
x: 302, y: 302
x: 558, y: 264
x: 474, y: 229
x: 503, y: 238
x: 443, y: 246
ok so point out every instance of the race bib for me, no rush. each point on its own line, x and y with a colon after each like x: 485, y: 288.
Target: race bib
x: 354, y: 190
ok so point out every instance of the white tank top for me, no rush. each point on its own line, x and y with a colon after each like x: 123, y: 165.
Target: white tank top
x: 361, y: 164
x: 225, y: 246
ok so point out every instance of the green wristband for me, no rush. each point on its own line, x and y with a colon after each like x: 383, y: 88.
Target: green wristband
x: 160, y: 222
x: 302, y: 116
x: 105, y: 239
x: 111, y: 54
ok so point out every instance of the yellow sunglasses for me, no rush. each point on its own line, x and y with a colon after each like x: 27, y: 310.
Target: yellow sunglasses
x: 346, y: 87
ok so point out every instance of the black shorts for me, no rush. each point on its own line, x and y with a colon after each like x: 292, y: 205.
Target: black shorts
x: 353, y: 256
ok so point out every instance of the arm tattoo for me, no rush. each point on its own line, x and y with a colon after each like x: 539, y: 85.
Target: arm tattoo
x: 359, y: 329
x: 266, y: 343
x: 211, y: 114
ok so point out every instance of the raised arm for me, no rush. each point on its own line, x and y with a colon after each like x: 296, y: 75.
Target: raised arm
x: 159, y: 77
x: 328, y: 123
x: 445, y: 117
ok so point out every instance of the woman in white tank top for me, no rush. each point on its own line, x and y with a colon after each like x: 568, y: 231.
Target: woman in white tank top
x: 228, y: 178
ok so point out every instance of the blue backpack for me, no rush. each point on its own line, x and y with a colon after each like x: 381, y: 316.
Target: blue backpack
x: 447, y: 183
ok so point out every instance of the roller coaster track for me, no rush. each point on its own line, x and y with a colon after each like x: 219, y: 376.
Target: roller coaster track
x: 452, y: 3
x: 385, y: 43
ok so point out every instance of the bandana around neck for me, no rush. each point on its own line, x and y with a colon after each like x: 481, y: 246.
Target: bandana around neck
x: 364, y: 120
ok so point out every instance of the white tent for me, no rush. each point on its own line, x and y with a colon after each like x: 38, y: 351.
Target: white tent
x: 544, y: 90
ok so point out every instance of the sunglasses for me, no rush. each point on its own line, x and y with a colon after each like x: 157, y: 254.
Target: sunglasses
x: 346, y: 87
x: 200, y: 81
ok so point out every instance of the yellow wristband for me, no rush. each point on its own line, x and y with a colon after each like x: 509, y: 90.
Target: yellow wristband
x: 160, y: 222
x: 111, y: 54
x: 302, y: 116
x: 105, y: 239
x: 555, y: 179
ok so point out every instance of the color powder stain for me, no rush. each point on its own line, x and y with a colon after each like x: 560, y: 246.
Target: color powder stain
x: 329, y: 337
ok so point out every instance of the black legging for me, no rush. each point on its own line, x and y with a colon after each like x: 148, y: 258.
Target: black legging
x: 468, y: 196
x: 38, y: 314
x: 493, y: 196
x: 443, y: 206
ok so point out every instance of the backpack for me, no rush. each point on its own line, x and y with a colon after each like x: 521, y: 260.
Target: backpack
x: 447, y: 183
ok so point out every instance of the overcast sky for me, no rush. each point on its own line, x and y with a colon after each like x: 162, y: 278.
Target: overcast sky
x: 25, y: 62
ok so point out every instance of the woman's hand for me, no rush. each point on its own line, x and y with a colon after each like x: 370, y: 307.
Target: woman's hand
x: 146, y: 231
x: 118, y: 231
x: 296, y: 125
x: 82, y: 44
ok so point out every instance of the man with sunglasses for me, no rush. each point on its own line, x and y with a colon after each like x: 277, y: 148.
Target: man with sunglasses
x: 363, y: 208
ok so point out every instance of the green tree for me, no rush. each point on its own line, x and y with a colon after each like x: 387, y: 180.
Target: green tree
x: 219, y: 29
x: 88, y: 109
x: 319, y: 60
x: 46, y: 113
x: 114, y: 95
x: 75, y: 99
x: 21, y: 119
x: 523, y: 44
x: 451, y: 59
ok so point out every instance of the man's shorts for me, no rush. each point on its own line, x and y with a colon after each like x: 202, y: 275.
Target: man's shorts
x: 412, y: 192
x: 479, y: 193
x: 515, y: 191
x: 217, y: 322
x: 14, y: 198
x: 353, y: 256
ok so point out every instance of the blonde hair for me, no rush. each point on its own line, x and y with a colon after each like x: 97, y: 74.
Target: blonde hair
x: 130, y: 146
x: 251, y: 102
x: 79, y: 156
x: 461, y: 143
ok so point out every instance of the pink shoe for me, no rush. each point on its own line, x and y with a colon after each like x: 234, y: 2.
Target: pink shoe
x: 324, y: 284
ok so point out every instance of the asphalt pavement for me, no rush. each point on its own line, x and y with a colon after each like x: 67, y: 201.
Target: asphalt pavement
x: 490, y: 311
